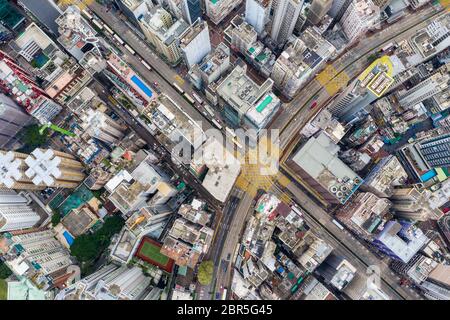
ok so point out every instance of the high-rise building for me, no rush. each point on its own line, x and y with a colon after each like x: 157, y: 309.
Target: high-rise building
x: 102, y: 127
x: 300, y: 61
x: 284, y: 20
x: 318, y: 10
x: 435, y: 84
x: 40, y: 169
x: 359, y: 17
x: 163, y: 33
x: 243, y: 35
x: 192, y: 10
x: 134, y: 9
x: 400, y: 240
x: 41, y: 251
x: 17, y: 83
x: 188, y: 10
x: 245, y: 101
x: 195, y: 43
x: 217, y: 10
x: 212, y: 67
x: 257, y: 13
x: 111, y: 282
x: 12, y: 119
x: 354, y: 103
x: 15, y: 214
x: 364, y: 214
x: 411, y: 203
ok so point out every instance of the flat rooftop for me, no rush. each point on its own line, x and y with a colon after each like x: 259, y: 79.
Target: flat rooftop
x: 242, y: 93
x: 318, y: 157
x: 223, y: 168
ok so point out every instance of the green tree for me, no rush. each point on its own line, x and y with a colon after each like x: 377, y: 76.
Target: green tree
x: 4, y: 271
x: 205, y: 272
x: 32, y: 138
x: 56, y: 218
x: 87, y: 248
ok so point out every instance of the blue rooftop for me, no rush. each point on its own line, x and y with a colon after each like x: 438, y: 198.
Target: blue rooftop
x: 142, y: 86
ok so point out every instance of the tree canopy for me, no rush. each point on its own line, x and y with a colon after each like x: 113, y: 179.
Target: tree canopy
x: 205, y: 272
x: 88, y: 247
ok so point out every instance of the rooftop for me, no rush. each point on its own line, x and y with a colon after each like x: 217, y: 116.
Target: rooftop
x: 223, y: 168
x: 76, y: 35
x: 245, y: 96
x: 318, y: 157
x: 404, y: 240
x: 193, y: 31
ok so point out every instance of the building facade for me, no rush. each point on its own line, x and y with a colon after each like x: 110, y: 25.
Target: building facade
x: 284, y: 20
x: 257, y: 14
x: 15, y: 214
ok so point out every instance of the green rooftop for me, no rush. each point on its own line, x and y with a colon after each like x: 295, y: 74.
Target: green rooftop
x: 264, y: 104
x: 261, y: 57
x: 251, y: 50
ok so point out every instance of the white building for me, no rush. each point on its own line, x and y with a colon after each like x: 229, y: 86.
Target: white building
x: 257, y: 13
x: 359, y: 17
x: 223, y: 168
x: 111, y: 282
x: 428, y: 88
x: 15, y: 214
x: 195, y: 43
x: 300, y: 61
x: 41, y: 251
x: 247, y: 102
x: 163, y: 32
x: 102, y: 127
x: 284, y: 19
x: 217, y: 10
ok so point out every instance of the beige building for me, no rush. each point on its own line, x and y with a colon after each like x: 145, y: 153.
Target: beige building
x: 217, y: 10
x: 413, y: 203
x: 39, y: 170
x: 163, y: 33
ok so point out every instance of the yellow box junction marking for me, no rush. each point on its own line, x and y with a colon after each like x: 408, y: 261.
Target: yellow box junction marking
x: 332, y: 80
x: 82, y: 4
x: 253, y: 175
x: 179, y: 79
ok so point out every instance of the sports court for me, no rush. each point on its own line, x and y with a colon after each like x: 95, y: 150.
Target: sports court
x: 149, y: 251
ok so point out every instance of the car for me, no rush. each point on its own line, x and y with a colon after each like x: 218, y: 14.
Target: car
x: 313, y: 105
x: 155, y: 83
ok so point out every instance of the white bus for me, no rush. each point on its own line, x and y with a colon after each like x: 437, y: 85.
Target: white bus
x: 130, y: 49
x: 189, y: 98
x: 87, y: 14
x: 119, y: 40
x: 216, y: 124
x: 224, y: 294
x: 97, y: 24
x: 296, y: 210
x: 108, y: 29
x: 230, y: 132
x: 197, y: 98
x: 146, y: 64
x: 208, y: 108
x: 178, y: 88
x: 236, y: 142
x: 338, y: 224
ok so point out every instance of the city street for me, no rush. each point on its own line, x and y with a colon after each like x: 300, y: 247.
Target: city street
x: 162, y: 73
